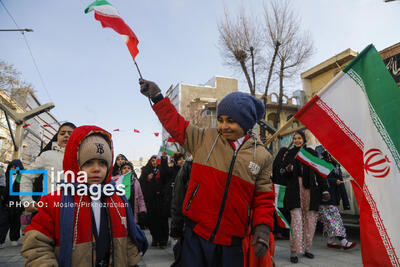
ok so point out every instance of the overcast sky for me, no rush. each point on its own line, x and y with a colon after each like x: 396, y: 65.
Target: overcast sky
x: 91, y: 78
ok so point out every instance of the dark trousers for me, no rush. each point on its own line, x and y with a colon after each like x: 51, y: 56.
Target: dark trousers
x: 198, y: 252
x: 10, y: 220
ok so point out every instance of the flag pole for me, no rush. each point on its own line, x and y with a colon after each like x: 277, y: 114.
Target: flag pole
x: 137, y: 67
x: 287, y: 124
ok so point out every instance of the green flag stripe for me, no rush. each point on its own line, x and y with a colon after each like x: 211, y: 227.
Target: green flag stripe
x: 97, y: 3
x: 126, y: 181
x: 329, y: 167
x: 169, y: 152
x: 370, y: 73
x: 281, y: 195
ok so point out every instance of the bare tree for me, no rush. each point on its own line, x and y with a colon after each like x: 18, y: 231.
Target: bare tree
x: 240, y: 45
x: 10, y: 78
x: 296, y: 47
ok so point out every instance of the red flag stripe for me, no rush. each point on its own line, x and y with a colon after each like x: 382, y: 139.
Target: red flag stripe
x: 118, y: 25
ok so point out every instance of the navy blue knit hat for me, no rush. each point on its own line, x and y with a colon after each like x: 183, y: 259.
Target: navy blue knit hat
x: 245, y: 109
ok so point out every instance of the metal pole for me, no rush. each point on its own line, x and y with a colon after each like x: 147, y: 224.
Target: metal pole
x: 16, y: 30
x: 11, y: 133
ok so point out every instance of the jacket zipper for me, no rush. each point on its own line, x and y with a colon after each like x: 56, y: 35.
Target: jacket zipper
x: 192, y: 197
x: 228, y: 181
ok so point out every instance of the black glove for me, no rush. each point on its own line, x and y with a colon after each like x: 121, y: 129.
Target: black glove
x: 142, y: 218
x: 260, y: 240
x: 149, y: 89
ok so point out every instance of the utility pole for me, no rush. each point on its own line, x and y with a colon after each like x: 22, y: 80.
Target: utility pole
x: 20, y: 119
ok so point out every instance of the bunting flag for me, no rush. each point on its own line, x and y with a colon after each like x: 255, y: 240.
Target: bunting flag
x: 116, y: 130
x: 26, y: 125
x: 354, y: 118
x: 171, y: 140
x: 109, y: 17
x: 46, y: 125
x: 136, y: 131
x: 156, y: 134
x: 319, y: 165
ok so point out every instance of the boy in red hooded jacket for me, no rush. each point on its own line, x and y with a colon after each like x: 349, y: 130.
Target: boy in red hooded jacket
x: 77, y: 228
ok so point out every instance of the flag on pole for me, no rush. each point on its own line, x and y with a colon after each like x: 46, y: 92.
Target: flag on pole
x: 109, y: 17
x: 355, y: 118
x: 279, y: 197
x: 319, y: 165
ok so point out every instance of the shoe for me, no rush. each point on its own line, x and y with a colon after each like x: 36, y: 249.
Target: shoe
x: 2, y: 245
x: 309, y: 255
x: 294, y: 259
x: 349, y: 245
x: 14, y: 243
x: 333, y: 245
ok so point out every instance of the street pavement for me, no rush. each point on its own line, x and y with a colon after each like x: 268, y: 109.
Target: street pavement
x: 155, y: 257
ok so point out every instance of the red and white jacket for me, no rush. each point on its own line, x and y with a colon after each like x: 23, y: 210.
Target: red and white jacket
x: 225, y: 185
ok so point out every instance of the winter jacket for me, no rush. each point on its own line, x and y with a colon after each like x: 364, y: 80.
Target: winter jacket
x: 311, y: 180
x: 168, y: 175
x: 136, y: 199
x: 337, y: 191
x: 44, y: 238
x: 51, y: 161
x: 180, y: 188
x: 225, y: 184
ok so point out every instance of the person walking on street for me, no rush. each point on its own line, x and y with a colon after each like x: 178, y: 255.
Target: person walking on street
x: 230, y: 176
x: 49, y: 159
x: 10, y: 206
x: 304, y: 190
x: 329, y: 213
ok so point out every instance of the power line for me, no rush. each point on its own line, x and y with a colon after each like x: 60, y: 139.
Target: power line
x: 30, y: 52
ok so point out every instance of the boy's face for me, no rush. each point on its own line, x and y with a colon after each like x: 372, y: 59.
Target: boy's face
x: 96, y: 170
x: 126, y: 169
x: 229, y: 128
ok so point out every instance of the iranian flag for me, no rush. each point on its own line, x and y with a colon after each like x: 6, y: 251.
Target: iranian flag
x: 320, y: 166
x: 279, y: 197
x: 355, y: 118
x: 109, y: 17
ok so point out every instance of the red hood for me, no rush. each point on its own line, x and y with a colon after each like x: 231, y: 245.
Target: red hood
x: 70, y: 162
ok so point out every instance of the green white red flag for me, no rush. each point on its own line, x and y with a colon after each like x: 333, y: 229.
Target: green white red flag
x: 355, y: 118
x: 279, y: 197
x: 319, y: 165
x: 109, y: 17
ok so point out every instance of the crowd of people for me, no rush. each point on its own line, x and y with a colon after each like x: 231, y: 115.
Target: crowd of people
x: 215, y: 200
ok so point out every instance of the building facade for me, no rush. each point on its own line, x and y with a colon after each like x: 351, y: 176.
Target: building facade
x: 37, y: 131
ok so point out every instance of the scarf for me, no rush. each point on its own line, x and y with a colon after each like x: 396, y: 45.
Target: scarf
x: 67, y: 224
